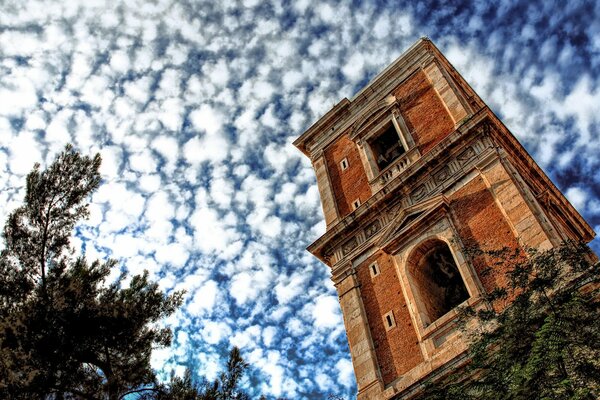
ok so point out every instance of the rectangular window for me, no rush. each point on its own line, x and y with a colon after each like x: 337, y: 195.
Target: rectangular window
x: 374, y: 269
x: 386, y: 146
x: 344, y: 164
x: 355, y: 204
x: 389, y: 321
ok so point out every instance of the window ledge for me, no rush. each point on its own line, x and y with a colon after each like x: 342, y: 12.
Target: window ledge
x: 394, y: 169
x: 446, y: 321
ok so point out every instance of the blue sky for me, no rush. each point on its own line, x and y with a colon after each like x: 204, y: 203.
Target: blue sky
x: 194, y: 105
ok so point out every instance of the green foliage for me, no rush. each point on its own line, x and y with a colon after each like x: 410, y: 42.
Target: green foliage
x: 65, y: 332
x: 545, y: 344
x: 225, y: 387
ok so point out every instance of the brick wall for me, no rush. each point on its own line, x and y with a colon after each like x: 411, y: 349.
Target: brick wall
x: 481, y: 222
x: 424, y: 112
x: 350, y: 184
x: 397, y: 350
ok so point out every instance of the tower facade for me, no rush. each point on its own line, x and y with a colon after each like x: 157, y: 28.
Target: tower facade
x: 412, y: 171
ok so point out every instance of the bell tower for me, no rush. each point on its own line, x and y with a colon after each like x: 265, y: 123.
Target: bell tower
x: 411, y: 171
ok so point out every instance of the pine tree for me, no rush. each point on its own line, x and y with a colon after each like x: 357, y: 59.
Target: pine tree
x: 225, y: 387
x: 546, y: 343
x: 65, y: 332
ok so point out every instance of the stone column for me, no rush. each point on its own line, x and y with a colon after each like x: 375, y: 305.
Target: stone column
x: 330, y: 210
x: 446, y: 92
x: 359, y: 338
x: 516, y: 207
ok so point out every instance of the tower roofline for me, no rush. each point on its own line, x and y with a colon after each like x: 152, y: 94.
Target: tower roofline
x: 383, y: 75
x: 339, y: 111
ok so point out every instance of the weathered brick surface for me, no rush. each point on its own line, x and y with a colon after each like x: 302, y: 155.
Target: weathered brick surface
x: 397, y: 350
x: 481, y: 223
x: 350, y: 184
x: 424, y: 112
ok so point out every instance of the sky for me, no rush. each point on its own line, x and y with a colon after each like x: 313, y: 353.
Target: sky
x: 193, y: 106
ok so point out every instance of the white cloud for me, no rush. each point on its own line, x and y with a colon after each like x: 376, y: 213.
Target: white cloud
x: 211, y: 231
x: 203, y: 299
x: 207, y: 119
x: 582, y: 103
x: 142, y: 162
x: 167, y: 147
x: 173, y: 254
x: 248, y: 286
x: 215, y: 331
x: 268, y: 335
x: 345, y: 372
x: 17, y: 96
x: 354, y: 67
x: 24, y: 144
x: 288, y: 291
x: 326, y: 312
x: 577, y: 196
x: 206, y: 148
x: 198, y: 185
x: 119, y: 61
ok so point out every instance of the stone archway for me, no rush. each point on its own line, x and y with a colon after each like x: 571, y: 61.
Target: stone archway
x: 436, y: 280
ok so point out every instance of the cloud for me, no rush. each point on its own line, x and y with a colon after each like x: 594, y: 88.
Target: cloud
x: 193, y: 107
x: 577, y: 196
x: 203, y: 299
x: 326, y: 312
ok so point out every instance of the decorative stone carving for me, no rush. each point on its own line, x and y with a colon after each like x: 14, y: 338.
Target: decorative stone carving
x: 372, y: 229
x: 466, y: 155
x: 441, y: 175
x: 328, y: 254
x: 418, y: 193
x: 349, y: 246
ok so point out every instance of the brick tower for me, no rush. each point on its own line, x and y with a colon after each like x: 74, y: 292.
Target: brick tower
x: 411, y: 170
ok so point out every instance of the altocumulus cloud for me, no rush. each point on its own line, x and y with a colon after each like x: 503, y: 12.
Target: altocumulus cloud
x: 193, y: 106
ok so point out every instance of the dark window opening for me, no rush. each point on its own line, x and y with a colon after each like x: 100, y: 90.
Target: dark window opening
x: 344, y: 164
x: 387, y: 147
x: 437, y: 279
x: 389, y: 321
x: 374, y: 269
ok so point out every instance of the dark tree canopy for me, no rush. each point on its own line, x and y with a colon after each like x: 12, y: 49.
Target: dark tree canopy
x: 65, y: 331
x: 545, y: 344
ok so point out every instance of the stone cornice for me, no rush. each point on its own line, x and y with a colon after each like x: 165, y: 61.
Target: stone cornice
x: 344, y: 115
x: 415, y: 184
x: 542, y: 186
x: 402, y: 187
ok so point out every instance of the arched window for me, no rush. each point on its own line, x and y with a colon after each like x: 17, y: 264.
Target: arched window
x: 435, y: 279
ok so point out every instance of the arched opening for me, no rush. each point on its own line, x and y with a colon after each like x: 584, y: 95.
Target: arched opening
x: 436, y: 279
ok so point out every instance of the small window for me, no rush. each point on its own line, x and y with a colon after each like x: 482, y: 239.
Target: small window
x: 355, y: 204
x: 386, y: 147
x: 344, y: 164
x: 389, y: 321
x: 374, y: 269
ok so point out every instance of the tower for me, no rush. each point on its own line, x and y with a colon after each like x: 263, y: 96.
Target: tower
x: 411, y: 171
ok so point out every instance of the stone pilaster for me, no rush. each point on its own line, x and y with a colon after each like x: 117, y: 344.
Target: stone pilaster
x: 328, y: 202
x: 446, y: 92
x: 515, y: 206
x: 359, y: 338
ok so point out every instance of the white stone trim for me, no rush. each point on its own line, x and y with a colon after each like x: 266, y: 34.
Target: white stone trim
x: 434, y: 335
x: 374, y: 269
x: 389, y: 321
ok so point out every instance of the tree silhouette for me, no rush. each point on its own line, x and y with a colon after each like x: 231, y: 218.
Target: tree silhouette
x: 65, y: 331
